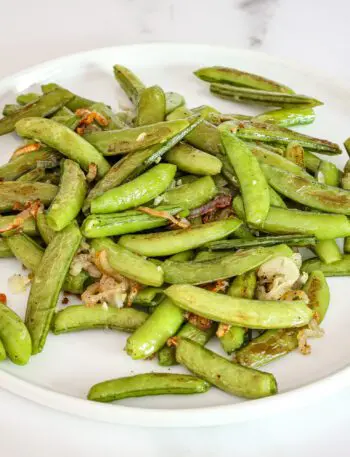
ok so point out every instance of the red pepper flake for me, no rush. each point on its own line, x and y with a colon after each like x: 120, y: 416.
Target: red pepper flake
x: 3, y: 299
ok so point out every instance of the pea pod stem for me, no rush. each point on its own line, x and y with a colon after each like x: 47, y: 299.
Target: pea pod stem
x: 227, y: 376
x: 79, y: 317
x: 63, y: 139
x: 221, y: 267
x: 168, y: 243
x: 238, y: 311
x: 147, y: 384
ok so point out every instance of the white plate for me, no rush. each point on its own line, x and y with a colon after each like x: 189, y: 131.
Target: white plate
x: 61, y: 376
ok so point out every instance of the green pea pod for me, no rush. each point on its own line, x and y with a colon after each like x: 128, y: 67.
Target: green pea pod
x: 254, y: 188
x: 14, y: 336
x: 239, y: 311
x: 10, y: 109
x: 2, y: 352
x: 70, y: 197
x: 339, y: 268
x: 285, y: 221
x: 26, y: 250
x: 171, y: 242
x: 203, y: 256
x: 153, y: 334
x: 151, y: 106
x: 191, y: 195
x: 327, y: 173
x: 167, y: 355
x: 35, y: 175
x: 101, y: 225
x: 147, y: 384
x: 47, y: 104
x: 137, y: 192
x: 260, y: 97
x: 114, y: 142
x: 173, y: 100
x: 219, y: 118
x: 192, y: 160
x: 28, y: 227
x: 183, y: 256
x: 114, y: 122
x: 227, y: 376
x: 328, y: 251
x: 129, y: 264
x: 26, y: 162
x: 79, y: 317
x: 307, y: 191
x: 135, y: 163
x: 288, y: 117
x: 295, y: 153
x: 24, y: 99
x: 129, y: 82
x: 51, y: 272
x: 242, y: 286
x: 221, y: 267
x: 205, y: 137
x: 63, y: 139
x: 149, y: 297
x: 274, y: 344
x: 312, y: 162
x: 5, y: 251
x: 269, y: 133
x: 13, y: 192
x: 74, y: 103
x: 291, y: 240
x: 46, y: 232
x: 267, y: 157
x: 240, y: 78
x: 276, y: 199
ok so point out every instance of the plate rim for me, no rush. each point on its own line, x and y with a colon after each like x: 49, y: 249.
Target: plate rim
x: 190, y: 417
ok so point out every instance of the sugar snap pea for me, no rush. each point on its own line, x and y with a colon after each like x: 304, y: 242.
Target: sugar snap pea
x: 13, y: 192
x: 285, y: 221
x: 114, y: 142
x: 29, y: 97
x: 155, y: 331
x: 114, y: 122
x: 240, y: 78
x: 63, y: 139
x: 274, y: 344
x: 254, y: 188
x: 101, y: 225
x: 239, y: 311
x: 26, y: 250
x: 242, y: 286
x: 51, y: 272
x: 311, y: 161
x: 5, y: 250
x: 295, y: 153
x: 221, y: 267
x: 270, y: 133
x: 46, y: 232
x: 28, y: 227
x: 191, y: 160
x: 147, y: 384
x: 328, y: 251
x: 227, y: 376
x: 69, y: 199
x: 35, y: 175
x: 137, y: 192
x: 288, y: 117
x: 327, y: 173
x: 129, y: 264
x: 219, y: 118
x: 10, y: 109
x: 173, y: 100
x: 168, y: 243
x: 276, y: 199
x: 47, y: 104
x: 203, y: 256
x: 14, y: 336
x: 291, y: 240
x: 80, y: 317
x: 339, y: 268
x: 22, y: 164
x: 254, y: 96
x: 191, y: 195
x: 74, y: 103
x: 307, y: 191
x: 129, y: 82
x: 151, y: 106
x: 149, y: 297
x: 205, y: 137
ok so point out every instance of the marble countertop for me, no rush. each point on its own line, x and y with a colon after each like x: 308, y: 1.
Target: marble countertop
x: 313, y: 33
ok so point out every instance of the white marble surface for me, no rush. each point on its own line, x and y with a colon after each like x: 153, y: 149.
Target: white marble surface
x: 312, y: 32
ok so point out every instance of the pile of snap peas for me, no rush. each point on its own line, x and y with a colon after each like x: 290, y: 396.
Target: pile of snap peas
x: 182, y: 207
